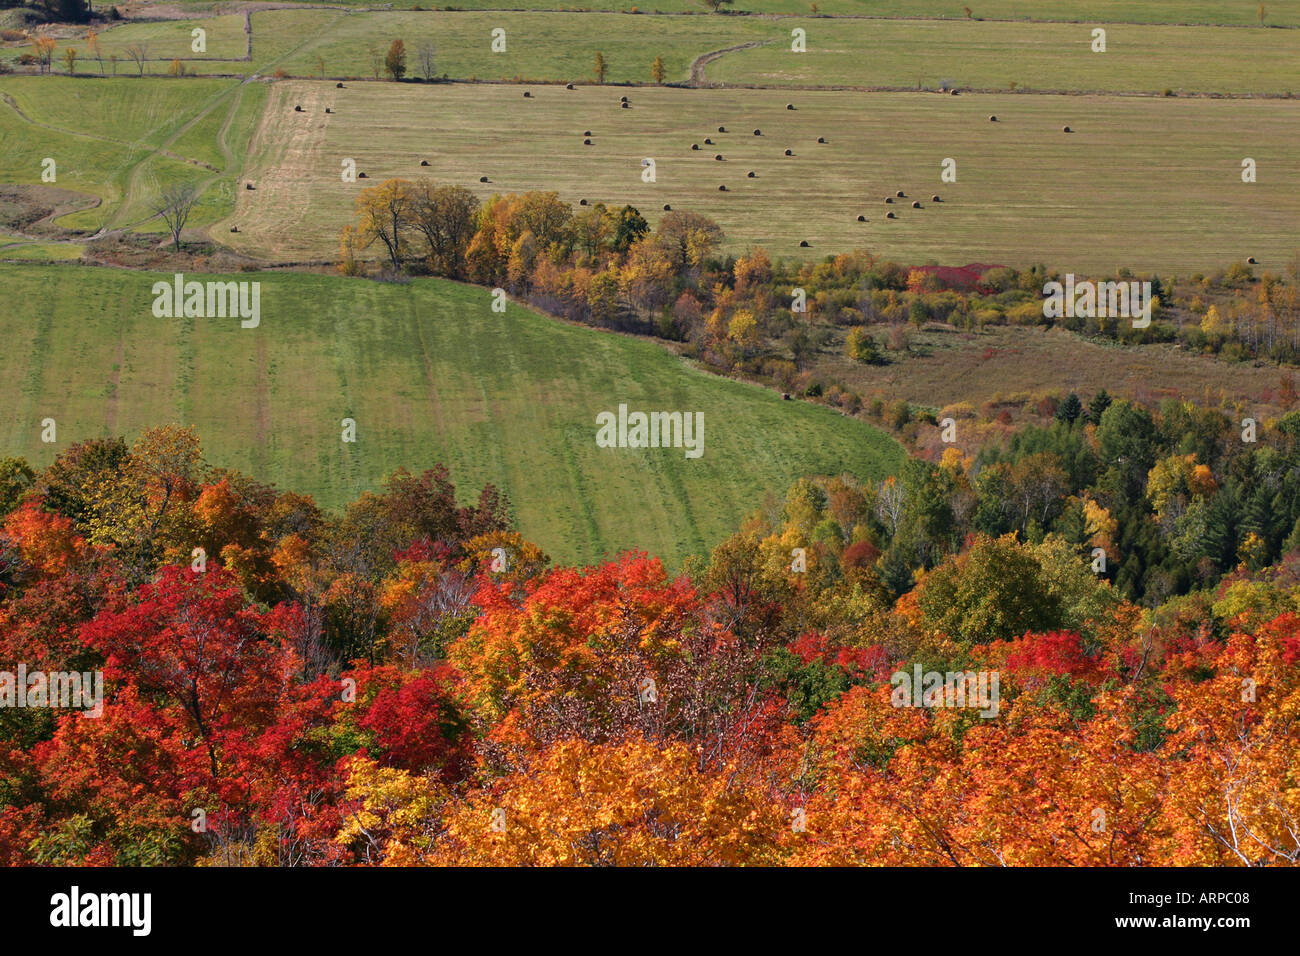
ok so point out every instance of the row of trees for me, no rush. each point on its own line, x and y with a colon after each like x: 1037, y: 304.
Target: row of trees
x: 597, y: 264
x: 393, y: 61
x: 43, y: 48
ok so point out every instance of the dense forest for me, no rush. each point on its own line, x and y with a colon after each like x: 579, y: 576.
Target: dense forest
x: 411, y: 682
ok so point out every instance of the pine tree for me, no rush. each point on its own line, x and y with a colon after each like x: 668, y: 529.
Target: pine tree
x: 1070, y: 409
x: 1100, y: 402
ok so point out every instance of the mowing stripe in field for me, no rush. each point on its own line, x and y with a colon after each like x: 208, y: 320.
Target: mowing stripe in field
x: 430, y: 374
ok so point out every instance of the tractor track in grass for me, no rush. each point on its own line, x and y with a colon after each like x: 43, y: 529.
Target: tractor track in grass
x: 114, y: 223
x: 704, y: 59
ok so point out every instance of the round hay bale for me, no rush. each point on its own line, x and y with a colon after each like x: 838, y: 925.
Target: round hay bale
x: 722, y: 189
x: 424, y: 162
x: 568, y: 86
x: 862, y: 218
x: 993, y: 119
x: 750, y: 175
x: 582, y: 202
x: 889, y: 199
x: 708, y: 142
x: 1066, y: 129
x: 667, y: 208
x: 935, y: 199
x: 954, y: 92
x: 586, y: 142
x: 586, y: 132
x: 789, y: 152
x: 527, y: 95
x: 890, y: 215
x: 338, y: 86
x: 622, y: 99
x: 722, y: 129
x: 1251, y: 261
x: 695, y: 145
x: 900, y: 194
x: 718, y: 157
x: 627, y: 106
x: 789, y: 106
x: 362, y: 176
x: 821, y: 139
x: 916, y: 204
x: 297, y: 109
x: 803, y: 243
x: 482, y: 179
x: 758, y: 132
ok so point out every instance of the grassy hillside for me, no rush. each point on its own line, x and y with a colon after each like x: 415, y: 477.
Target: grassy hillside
x: 430, y: 374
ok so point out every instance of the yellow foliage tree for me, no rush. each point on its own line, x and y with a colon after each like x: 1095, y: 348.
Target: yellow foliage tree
x: 743, y: 329
x: 395, y: 817
x: 630, y: 803
x: 1214, y: 324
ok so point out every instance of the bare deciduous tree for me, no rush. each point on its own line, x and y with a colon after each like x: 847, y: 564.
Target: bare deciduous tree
x: 424, y: 57
x: 138, y: 53
x: 174, y: 204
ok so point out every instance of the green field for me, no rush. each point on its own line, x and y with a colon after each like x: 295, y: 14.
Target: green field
x: 555, y: 47
x: 1115, y: 192
x: 121, y: 140
x: 430, y: 374
x: 561, y: 47
x: 276, y: 34
x: 1231, y: 13
x: 1055, y: 56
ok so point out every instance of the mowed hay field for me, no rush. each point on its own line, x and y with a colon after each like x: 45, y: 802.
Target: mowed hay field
x: 1147, y: 183
x: 430, y: 374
